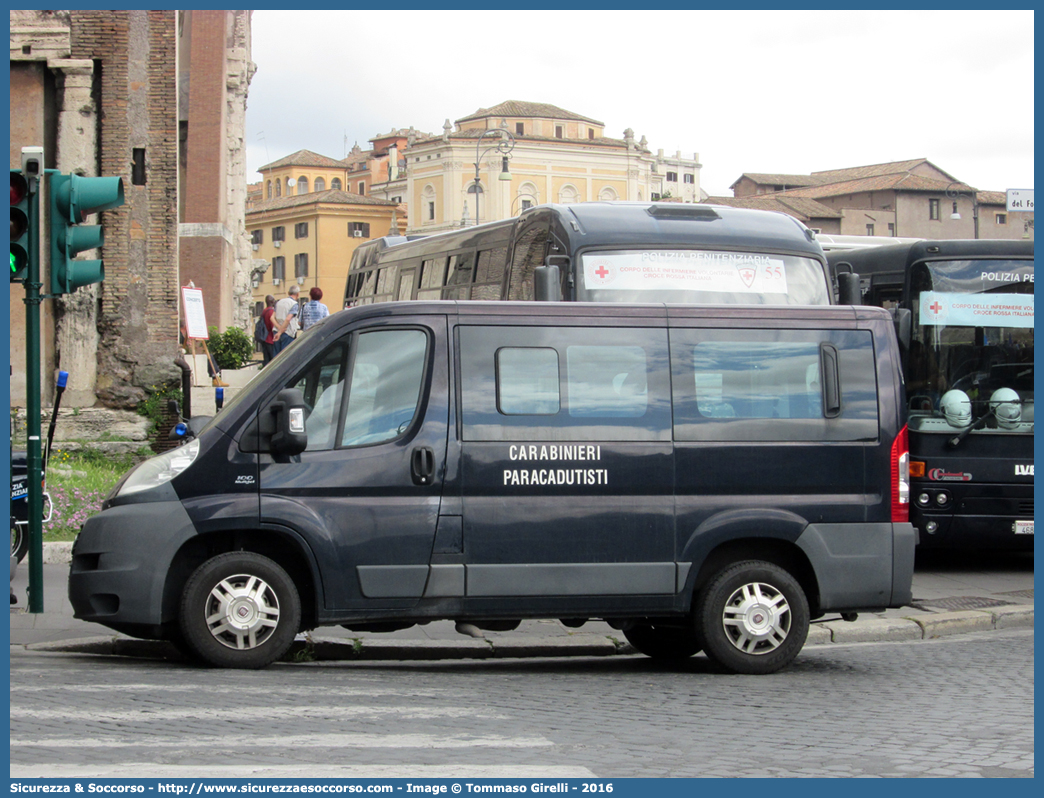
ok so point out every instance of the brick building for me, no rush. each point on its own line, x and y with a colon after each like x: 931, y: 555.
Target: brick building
x: 101, y: 91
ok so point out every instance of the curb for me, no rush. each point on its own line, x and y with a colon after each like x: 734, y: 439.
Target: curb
x: 327, y: 649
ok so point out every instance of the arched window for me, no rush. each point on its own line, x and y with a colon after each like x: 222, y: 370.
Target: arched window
x: 567, y: 194
x: 269, y: 190
x: 302, y: 185
x: 320, y: 184
x: 335, y: 184
x: 428, y: 204
x: 279, y: 188
x: 607, y: 195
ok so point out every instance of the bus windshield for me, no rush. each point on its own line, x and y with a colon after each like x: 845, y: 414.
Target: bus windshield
x: 971, y: 356
x: 700, y: 277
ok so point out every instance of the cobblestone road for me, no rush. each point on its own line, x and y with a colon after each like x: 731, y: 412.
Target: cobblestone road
x: 958, y: 706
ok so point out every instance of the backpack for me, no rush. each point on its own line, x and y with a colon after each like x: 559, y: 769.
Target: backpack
x: 260, y: 330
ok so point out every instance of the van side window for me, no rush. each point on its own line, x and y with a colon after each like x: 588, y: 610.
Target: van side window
x: 385, y: 388
x: 777, y: 380
x: 322, y: 386
x: 607, y: 381
x: 528, y: 382
x: 564, y: 383
x: 768, y: 385
x: 383, y: 393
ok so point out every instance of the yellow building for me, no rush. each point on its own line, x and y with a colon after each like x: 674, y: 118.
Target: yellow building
x: 309, y: 239
x: 552, y: 155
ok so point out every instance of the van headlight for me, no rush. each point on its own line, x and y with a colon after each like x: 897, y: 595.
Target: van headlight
x: 161, y: 468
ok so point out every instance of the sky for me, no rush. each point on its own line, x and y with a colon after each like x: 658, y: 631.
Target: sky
x: 766, y: 91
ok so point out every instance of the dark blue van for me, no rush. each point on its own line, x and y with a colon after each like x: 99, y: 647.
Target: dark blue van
x: 700, y: 478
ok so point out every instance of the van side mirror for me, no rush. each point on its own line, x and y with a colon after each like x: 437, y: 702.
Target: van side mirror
x: 547, y: 283
x: 289, y: 413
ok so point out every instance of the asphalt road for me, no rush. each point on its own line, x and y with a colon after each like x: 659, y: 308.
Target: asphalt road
x: 954, y: 706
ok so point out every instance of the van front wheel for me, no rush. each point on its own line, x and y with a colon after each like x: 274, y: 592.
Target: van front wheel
x: 752, y: 617
x: 240, y: 610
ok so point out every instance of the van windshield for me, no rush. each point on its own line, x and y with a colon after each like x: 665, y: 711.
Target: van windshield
x: 700, y: 277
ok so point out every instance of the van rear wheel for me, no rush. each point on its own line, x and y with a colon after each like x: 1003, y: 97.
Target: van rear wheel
x: 663, y: 642
x: 239, y: 610
x: 752, y: 617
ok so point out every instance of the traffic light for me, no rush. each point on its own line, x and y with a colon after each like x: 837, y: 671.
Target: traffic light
x: 72, y: 199
x: 20, y: 224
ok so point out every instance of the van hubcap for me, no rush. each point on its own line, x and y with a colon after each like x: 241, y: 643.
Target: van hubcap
x: 756, y: 618
x: 242, y: 611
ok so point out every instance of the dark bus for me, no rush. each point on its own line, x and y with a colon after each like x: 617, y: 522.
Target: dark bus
x: 603, y: 252
x: 964, y: 310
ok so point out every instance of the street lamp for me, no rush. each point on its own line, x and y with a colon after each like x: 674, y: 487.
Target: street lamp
x: 956, y: 216
x: 504, y: 146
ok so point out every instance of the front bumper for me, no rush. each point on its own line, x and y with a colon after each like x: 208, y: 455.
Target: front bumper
x: 120, y: 565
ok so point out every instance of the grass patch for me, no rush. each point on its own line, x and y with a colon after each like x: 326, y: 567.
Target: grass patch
x: 78, y: 482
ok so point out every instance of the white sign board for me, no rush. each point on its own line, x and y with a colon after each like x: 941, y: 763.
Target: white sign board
x: 1020, y: 199
x: 685, y: 270
x: 977, y: 310
x: 195, y: 318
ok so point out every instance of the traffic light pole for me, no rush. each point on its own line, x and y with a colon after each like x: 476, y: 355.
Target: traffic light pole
x: 32, y: 406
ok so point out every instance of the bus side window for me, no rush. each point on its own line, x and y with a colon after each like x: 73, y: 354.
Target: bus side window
x: 433, y: 277
x: 458, y: 278
x: 530, y: 249
x: 489, y: 276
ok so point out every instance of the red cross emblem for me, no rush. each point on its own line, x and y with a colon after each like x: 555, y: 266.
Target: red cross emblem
x: 935, y: 307
x: 602, y: 272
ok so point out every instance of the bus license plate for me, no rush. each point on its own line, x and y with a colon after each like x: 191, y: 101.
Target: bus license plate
x: 1023, y: 527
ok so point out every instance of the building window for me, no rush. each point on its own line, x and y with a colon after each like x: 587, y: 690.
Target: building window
x: 302, y: 185
x: 520, y: 128
x: 1002, y: 218
x: 933, y: 210
x: 590, y: 133
x: 558, y: 131
x: 301, y: 265
x: 279, y: 233
x: 672, y: 177
x: 279, y: 188
x: 362, y: 189
x: 359, y: 229
x: 891, y: 229
x: 320, y: 184
x: 655, y: 195
x: 278, y: 268
x: 301, y: 230
x: 431, y: 211
x: 527, y: 204
x: 869, y: 229
x: 269, y: 190
x: 690, y: 179
x: 257, y: 237
x: 335, y: 184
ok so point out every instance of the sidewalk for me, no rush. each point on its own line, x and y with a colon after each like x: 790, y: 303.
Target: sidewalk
x: 950, y: 597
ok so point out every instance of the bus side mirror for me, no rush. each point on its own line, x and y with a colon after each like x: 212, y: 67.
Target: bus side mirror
x: 903, y: 318
x: 547, y: 283
x: 848, y: 290
x: 289, y: 412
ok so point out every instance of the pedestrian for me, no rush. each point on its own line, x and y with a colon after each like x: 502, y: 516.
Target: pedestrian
x: 268, y: 320
x: 286, y: 310
x: 314, y: 311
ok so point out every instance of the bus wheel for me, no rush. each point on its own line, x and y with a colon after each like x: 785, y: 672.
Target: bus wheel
x: 239, y: 610
x: 19, y: 541
x: 752, y: 617
x: 663, y: 642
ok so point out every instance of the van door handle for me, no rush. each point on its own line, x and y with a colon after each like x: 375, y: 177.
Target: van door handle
x: 422, y: 465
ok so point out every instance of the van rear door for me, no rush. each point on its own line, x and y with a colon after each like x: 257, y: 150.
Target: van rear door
x: 365, y: 493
